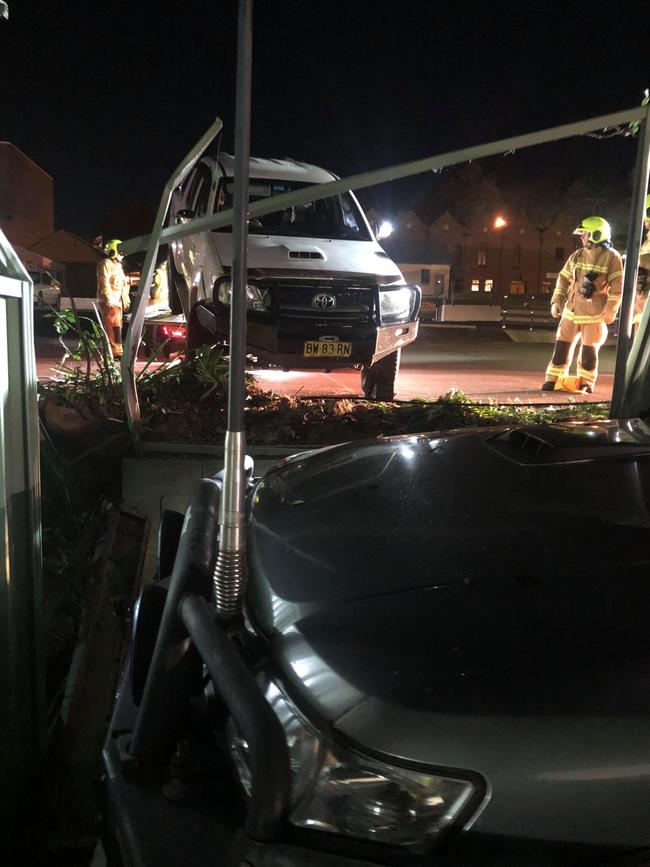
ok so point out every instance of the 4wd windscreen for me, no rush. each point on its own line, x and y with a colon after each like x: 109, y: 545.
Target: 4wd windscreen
x: 337, y: 217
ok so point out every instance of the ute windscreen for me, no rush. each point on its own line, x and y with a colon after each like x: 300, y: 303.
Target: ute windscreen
x: 337, y: 217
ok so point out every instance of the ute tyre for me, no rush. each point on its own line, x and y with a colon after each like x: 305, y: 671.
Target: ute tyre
x: 378, y: 379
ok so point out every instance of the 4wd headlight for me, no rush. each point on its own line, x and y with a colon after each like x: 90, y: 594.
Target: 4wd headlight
x: 255, y: 297
x: 396, y: 305
x: 338, y: 790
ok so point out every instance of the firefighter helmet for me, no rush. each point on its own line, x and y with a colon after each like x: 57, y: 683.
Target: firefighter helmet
x: 597, y: 228
x: 111, y: 248
x: 647, y: 207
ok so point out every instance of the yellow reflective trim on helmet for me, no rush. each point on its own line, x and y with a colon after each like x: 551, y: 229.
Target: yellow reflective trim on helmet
x: 614, y: 275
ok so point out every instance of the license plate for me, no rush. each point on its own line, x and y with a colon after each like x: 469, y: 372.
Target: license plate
x: 327, y: 349
x: 428, y: 305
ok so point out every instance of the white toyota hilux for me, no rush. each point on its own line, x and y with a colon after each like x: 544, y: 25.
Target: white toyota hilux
x: 321, y: 292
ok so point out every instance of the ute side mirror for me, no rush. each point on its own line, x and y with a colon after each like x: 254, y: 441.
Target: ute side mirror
x: 185, y: 215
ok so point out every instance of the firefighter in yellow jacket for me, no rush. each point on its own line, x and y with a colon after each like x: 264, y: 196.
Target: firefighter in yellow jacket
x: 643, y: 274
x: 586, y: 299
x: 113, y: 294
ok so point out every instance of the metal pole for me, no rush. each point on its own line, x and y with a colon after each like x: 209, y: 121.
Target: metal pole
x: 634, y: 241
x: 134, y: 332
x: 391, y: 173
x: 500, y: 270
x: 231, y: 567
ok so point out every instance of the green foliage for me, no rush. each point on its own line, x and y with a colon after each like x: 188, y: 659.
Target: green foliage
x: 83, y: 339
x: 186, y: 402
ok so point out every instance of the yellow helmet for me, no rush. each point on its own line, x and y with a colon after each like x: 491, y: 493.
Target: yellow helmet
x: 647, y: 207
x: 111, y: 248
x: 597, y: 228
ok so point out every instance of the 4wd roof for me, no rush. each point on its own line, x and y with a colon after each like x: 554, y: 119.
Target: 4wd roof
x: 280, y: 170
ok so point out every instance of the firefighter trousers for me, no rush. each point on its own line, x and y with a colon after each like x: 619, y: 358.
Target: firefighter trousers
x: 112, y: 321
x: 591, y: 336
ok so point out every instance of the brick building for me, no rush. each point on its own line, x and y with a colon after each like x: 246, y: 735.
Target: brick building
x: 490, y: 261
x: 26, y: 198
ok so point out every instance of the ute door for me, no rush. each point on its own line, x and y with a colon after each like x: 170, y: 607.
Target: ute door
x: 186, y: 250
x: 200, y: 250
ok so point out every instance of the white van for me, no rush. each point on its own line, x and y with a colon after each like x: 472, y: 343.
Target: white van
x: 321, y: 292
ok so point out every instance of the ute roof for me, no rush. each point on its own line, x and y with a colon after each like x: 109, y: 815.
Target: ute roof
x: 279, y: 170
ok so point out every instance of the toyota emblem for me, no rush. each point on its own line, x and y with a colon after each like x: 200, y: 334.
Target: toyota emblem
x: 323, y: 301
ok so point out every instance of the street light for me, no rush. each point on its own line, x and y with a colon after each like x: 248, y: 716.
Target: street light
x: 500, y: 223
x: 384, y: 230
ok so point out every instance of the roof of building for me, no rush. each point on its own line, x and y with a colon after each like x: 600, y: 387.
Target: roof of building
x: 66, y: 247
x: 34, y: 261
x: 8, y: 144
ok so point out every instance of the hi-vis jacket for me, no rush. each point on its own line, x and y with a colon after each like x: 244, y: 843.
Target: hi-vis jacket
x: 605, y: 266
x: 641, y: 298
x: 112, y: 285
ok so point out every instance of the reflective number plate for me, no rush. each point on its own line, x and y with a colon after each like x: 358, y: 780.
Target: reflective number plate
x: 428, y: 305
x: 327, y: 349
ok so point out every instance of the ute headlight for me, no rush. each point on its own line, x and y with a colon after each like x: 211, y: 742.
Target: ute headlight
x: 255, y: 297
x: 341, y: 791
x: 396, y: 305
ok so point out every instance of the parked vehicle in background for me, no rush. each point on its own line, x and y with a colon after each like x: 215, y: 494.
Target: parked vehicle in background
x: 321, y: 291
x: 47, y: 290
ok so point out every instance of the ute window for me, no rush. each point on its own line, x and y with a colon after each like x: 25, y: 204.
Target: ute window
x: 337, y: 217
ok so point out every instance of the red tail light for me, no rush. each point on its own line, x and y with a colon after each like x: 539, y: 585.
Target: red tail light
x: 172, y: 331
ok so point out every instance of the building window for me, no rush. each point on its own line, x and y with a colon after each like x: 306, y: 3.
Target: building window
x: 481, y: 259
x: 439, y: 283
x: 559, y: 253
x: 458, y: 254
x: 489, y: 285
x: 458, y: 285
x: 476, y: 285
x: 425, y: 276
x: 517, y: 258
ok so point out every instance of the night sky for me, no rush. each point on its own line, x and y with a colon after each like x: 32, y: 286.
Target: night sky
x: 108, y: 97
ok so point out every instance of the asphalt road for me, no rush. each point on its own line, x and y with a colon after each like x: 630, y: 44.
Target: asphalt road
x: 483, y: 363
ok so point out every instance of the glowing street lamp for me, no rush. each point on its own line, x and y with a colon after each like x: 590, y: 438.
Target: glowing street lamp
x: 500, y: 223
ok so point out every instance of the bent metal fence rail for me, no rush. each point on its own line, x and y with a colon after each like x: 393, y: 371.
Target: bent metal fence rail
x: 629, y: 386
